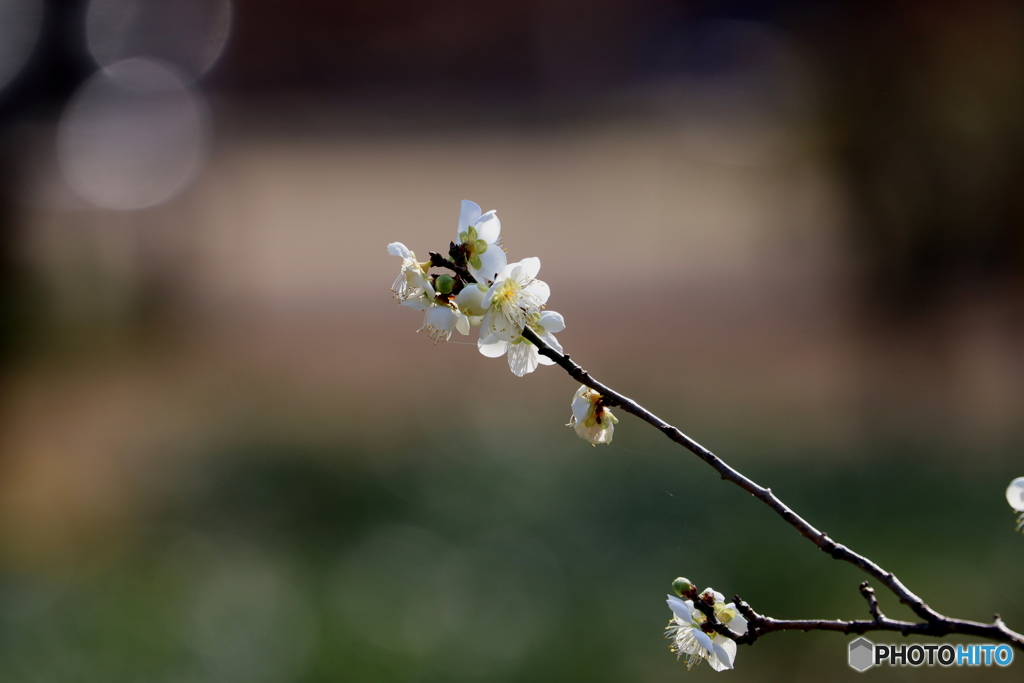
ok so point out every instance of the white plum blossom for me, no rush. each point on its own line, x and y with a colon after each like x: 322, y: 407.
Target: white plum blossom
x: 1015, y: 497
x: 592, y: 420
x: 514, y: 299
x: 413, y: 288
x: 412, y: 279
x: 439, y: 320
x: 688, y: 638
x: 523, y: 356
x: 480, y: 236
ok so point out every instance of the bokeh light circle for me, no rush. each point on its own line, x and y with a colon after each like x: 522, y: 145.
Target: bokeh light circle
x: 190, y: 34
x: 133, y: 136
x: 20, y: 22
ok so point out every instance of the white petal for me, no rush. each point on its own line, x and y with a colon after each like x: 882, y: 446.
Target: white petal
x: 399, y: 249
x: 538, y: 290
x: 581, y: 404
x: 680, y: 609
x: 738, y: 622
x: 498, y: 323
x: 1015, y: 494
x: 462, y: 323
x: 491, y: 263
x: 522, y: 358
x: 428, y: 288
x: 550, y: 340
x: 552, y: 322
x: 488, y: 228
x: 400, y: 288
x: 725, y: 653
x: 593, y: 434
x: 600, y: 434
x: 491, y: 346
x: 440, y: 319
x: 470, y: 300
x: 506, y: 271
x: 469, y: 214
x: 486, y: 303
x: 417, y: 302
x: 704, y: 640
x: 531, y: 266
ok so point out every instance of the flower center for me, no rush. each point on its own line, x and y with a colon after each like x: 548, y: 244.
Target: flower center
x: 468, y: 236
x: 724, y: 614
x: 508, y: 294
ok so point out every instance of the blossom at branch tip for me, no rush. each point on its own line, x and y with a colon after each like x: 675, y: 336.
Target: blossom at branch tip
x: 480, y: 236
x: 591, y: 418
x: 439, y: 319
x: 514, y: 299
x: 1015, y: 497
x: 412, y: 278
x: 523, y: 356
x: 686, y: 631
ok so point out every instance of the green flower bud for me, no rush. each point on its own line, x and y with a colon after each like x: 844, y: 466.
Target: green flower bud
x: 444, y: 283
x: 682, y: 586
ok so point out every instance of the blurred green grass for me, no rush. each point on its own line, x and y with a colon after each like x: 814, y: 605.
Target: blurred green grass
x: 440, y: 563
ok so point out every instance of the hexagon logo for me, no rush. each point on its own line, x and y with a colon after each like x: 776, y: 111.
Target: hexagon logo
x: 862, y: 654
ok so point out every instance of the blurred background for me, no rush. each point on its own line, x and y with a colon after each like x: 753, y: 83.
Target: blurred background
x: 794, y: 229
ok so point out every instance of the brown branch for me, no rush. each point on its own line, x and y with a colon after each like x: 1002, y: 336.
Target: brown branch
x: 758, y: 624
x: 933, y: 623
x: 439, y: 261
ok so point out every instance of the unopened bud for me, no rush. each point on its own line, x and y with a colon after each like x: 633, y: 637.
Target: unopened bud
x: 682, y: 586
x: 444, y: 284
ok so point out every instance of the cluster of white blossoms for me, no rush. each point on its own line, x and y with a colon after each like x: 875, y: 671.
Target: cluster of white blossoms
x: 484, y: 291
x: 1015, y: 497
x: 503, y: 299
x: 691, y: 636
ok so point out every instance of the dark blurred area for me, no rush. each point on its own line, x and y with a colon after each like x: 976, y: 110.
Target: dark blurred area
x: 794, y: 229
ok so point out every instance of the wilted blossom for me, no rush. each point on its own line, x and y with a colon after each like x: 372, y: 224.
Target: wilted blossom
x: 592, y: 419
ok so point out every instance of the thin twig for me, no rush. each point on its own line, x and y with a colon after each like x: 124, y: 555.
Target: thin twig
x: 933, y: 623
x: 869, y: 594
